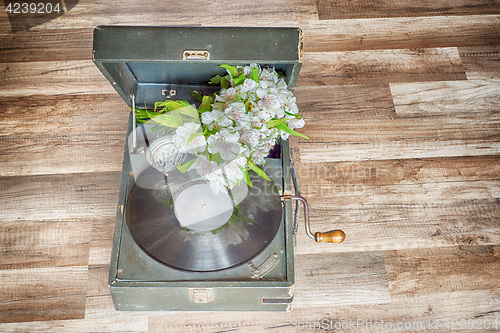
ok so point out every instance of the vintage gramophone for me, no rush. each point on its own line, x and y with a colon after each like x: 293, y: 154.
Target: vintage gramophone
x: 177, y: 244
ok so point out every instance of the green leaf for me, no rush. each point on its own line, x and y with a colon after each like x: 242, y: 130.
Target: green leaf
x: 230, y: 69
x: 164, y: 119
x: 216, y: 158
x: 158, y: 104
x: 224, y: 83
x: 288, y: 130
x: 215, y: 80
x: 196, y: 94
x: 194, y: 136
x: 246, y: 178
x: 240, y: 79
x: 205, y: 105
x: 255, y: 74
x: 276, y: 122
x: 292, y: 114
x: 258, y: 170
x: 188, y: 111
x: 186, y: 166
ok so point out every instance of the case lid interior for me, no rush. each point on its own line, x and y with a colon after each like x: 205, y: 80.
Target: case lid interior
x: 148, y: 61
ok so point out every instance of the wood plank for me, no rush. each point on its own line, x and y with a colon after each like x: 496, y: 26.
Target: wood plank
x: 366, y: 318
x: 481, y: 62
x: 101, y: 240
x: 34, y: 154
x: 412, y: 130
x: 51, y: 293
x: 340, y: 278
x: 328, y: 35
x: 100, y: 316
x: 356, y: 197
x: 437, y: 270
x: 52, y: 78
x: 339, y: 152
x: 409, y: 171
x: 381, y: 66
x: 430, y: 193
x: 371, y: 226
x: 329, y: 9
x: 456, y: 98
x: 63, y: 114
x: 401, y: 32
x: 62, y: 196
x: 51, y: 45
x: 52, y: 243
x: 198, y: 12
x: 331, y: 104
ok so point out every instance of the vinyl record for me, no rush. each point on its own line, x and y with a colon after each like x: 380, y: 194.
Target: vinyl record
x: 152, y: 222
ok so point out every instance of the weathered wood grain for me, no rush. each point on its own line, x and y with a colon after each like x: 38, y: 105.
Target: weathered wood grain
x: 381, y: 66
x: 50, y: 45
x: 373, y: 226
x: 329, y: 9
x: 481, y: 62
x: 34, y: 154
x: 101, y: 240
x: 337, y: 103
x: 51, y: 293
x: 100, y: 316
x: 60, y: 196
x: 421, y: 272
x: 52, y: 78
x: 408, y: 171
x: 63, y: 114
x: 457, y: 98
x: 44, y: 243
x: 338, y: 152
x: 196, y: 12
x: 416, y: 314
x: 413, y: 130
x: 340, y: 278
x: 341, y: 196
x: 430, y: 193
x: 401, y: 106
x: 401, y: 32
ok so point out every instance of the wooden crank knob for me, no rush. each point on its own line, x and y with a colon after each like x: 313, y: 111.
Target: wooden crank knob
x: 333, y: 236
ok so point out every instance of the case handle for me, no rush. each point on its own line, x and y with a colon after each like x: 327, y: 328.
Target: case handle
x: 196, y: 55
x: 332, y: 236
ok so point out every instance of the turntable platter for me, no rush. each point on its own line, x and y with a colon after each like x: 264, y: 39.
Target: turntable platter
x: 154, y: 227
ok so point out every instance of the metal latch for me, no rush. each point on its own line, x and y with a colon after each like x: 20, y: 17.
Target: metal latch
x: 168, y: 93
x: 201, y: 295
x: 195, y: 55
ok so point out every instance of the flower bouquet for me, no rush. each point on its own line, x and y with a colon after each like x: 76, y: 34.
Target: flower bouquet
x: 233, y: 129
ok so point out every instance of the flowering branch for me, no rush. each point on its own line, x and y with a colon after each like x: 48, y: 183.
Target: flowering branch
x: 233, y: 130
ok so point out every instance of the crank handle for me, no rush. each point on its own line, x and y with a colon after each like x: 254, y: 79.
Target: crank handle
x: 333, y: 236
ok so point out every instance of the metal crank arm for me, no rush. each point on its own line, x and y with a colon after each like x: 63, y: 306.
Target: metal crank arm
x: 333, y: 236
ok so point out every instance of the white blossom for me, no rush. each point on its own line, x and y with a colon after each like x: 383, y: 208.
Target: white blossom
x: 182, y: 135
x: 240, y: 128
x: 233, y: 171
x: 228, y: 150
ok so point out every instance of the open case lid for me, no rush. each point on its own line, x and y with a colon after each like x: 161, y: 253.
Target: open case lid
x: 149, y: 62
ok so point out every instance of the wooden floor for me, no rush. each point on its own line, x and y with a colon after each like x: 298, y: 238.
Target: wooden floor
x: 402, y: 106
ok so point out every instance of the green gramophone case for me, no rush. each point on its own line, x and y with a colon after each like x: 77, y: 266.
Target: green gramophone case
x: 156, y: 264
